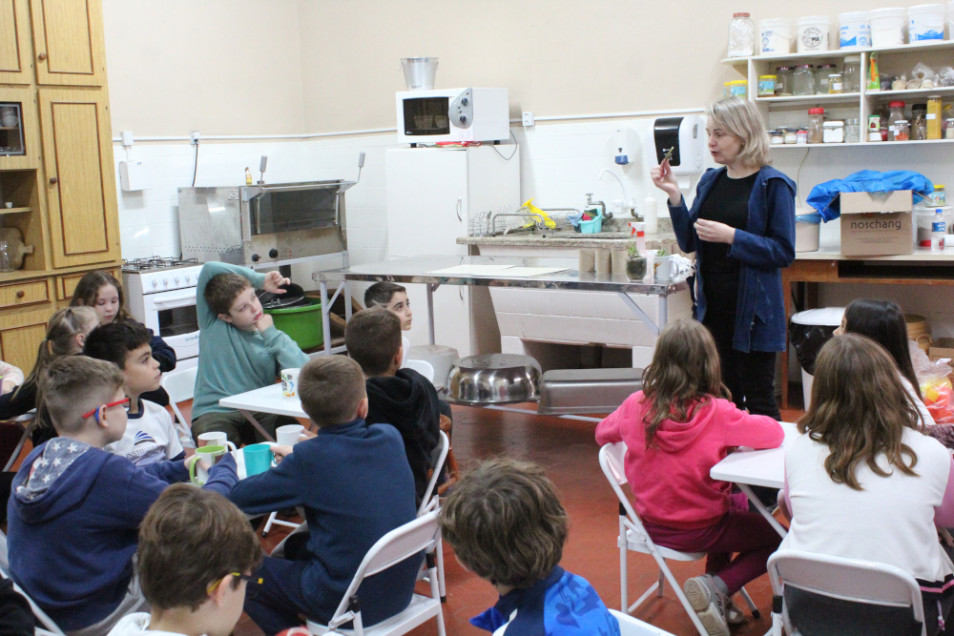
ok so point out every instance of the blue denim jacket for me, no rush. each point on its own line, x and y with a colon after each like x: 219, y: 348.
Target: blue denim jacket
x: 765, y: 246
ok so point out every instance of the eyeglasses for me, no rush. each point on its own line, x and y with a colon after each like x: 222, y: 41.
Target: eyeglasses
x: 249, y: 590
x: 123, y: 402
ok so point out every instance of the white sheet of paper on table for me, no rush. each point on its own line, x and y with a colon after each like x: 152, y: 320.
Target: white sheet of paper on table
x: 474, y: 269
x: 527, y: 272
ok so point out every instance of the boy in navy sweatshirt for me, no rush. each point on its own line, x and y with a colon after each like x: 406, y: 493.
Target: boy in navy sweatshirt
x: 355, y: 485
x: 75, y: 509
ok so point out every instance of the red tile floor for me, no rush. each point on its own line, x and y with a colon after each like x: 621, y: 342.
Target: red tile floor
x: 567, y: 451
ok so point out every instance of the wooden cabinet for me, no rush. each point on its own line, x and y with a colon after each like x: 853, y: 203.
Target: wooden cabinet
x: 69, y: 44
x: 21, y: 336
x: 16, y: 52
x: 80, y: 188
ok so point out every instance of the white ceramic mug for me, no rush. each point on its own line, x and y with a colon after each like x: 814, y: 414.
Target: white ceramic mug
x: 290, y: 382
x: 288, y: 435
x: 215, y: 438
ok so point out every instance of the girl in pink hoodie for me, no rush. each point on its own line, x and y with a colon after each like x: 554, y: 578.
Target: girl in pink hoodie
x: 676, y: 429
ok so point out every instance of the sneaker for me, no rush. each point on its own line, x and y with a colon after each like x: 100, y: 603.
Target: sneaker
x: 708, y: 603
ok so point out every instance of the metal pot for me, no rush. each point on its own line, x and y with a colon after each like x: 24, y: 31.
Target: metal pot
x: 494, y: 378
x: 294, y: 296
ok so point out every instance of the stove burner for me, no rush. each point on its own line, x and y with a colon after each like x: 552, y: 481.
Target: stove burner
x: 153, y: 263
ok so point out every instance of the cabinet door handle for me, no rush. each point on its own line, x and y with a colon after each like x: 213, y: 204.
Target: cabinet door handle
x: 41, y: 57
x: 53, y: 180
x: 460, y: 205
x: 20, y: 293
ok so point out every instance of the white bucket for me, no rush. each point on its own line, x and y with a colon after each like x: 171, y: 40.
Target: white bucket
x: 775, y: 35
x: 806, y: 236
x: 925, y: 22
x: 419, y: 72
x: 813, y: 33
x: 854, y: 30
x: 887, y: 27
x: 807, y: 379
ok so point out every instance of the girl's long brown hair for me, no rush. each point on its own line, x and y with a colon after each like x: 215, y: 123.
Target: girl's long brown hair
x: 859, y: 409
x: 685, y: 372
x: 88, y: 288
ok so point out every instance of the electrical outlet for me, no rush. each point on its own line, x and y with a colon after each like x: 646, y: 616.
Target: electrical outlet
x: 194, y: 135
x: 527, y: 118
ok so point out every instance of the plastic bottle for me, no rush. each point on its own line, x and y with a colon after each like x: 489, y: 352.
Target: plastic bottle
x: 896, y: 113
x: 650, y: 216
x: 938, y: 230
x: 816, y: 121
x: 248, y: 176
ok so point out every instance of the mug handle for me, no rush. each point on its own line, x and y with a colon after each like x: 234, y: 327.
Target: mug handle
x: 193, y: 477
x: 230, y: 446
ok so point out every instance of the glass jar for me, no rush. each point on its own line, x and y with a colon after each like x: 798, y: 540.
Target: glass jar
x: 934, y: 117
x: 783, y: 81
x: 835, y: 83
x: 833, y: 132
x: 940, y: 196
x: 767, y: 85
x: 816, y: 121
x: 741, y: 35
x: 949, y: 130
x: 919, y: 122
x: 852, y: 73
x: 874, y: 127
x: 852, y: 130
x: 791, y: 136
x: 902, y: 130
x: 895, y: 114
x: 801, y: 136
x: 777, y: 136
x: 803, y: 81
x: 822, y: 71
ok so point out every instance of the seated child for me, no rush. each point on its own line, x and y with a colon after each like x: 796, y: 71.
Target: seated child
x: 12, y: 377
x: 402, y: 398
x: 392, y: 297
x: 679, y: 426
x: 150, y: 434
x: 75, y: 509
x: 196, y: 551
x: 507, y: 525
x: 239, y: 349
x: 355, y: 486
x: 862, y: 482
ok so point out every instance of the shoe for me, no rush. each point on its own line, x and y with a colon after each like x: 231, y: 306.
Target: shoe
x: 708, y: 603
x: 733, y: 614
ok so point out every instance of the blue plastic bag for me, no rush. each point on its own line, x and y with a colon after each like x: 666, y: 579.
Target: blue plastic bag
x: 824, y: 196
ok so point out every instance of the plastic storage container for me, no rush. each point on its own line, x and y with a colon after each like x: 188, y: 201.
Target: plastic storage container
x: 854, y: 30
x: 816, y: 123
x: 419, y: 72
x: 813, y: 33
x: 302, y: 324
x: 925, y: 22
x: 735, y: 88
x: 775, y: 35
x: 767, y: 85
x: 887, y: 27
x: 741, y: 35
x: 809, y: 331
x: 851, y: 72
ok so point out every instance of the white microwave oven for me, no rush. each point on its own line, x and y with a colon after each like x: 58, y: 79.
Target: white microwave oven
x: 453, y: 115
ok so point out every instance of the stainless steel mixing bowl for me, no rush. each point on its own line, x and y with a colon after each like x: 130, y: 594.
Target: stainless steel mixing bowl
x: 494, y: 378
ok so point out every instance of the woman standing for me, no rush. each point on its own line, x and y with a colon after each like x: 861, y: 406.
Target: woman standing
x: 742, y: 229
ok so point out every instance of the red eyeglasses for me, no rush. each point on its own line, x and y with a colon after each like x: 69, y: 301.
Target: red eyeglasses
x: 123, y: 402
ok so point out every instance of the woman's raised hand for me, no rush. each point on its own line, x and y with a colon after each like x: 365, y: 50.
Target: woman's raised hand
x: 664, y: 179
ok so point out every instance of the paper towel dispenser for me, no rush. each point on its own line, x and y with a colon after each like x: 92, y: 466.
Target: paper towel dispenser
x: 687, y: 135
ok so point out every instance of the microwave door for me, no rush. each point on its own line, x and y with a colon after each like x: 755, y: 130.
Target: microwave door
x: 426, y: 116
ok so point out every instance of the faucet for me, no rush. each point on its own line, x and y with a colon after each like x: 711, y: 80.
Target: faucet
x: 632, y: 209
x: 590, y: 201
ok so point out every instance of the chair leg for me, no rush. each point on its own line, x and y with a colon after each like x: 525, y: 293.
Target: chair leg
x: 274, y: 520
x: 748, y: 601
x: 660, y: 585
x: 441, y: 583
x: 623, y: 550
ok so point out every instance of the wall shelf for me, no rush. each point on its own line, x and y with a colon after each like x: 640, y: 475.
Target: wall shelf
x: 19, y: 210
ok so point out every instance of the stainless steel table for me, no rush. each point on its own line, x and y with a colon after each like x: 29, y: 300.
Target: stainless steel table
x: 424, y: 269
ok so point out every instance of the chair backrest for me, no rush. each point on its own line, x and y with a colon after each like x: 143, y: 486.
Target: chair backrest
x: 423, y: 367
x: 611, y: 461
x: 429, y: 501
x: 630, y: 626
x: 180, y: 385
x: 850, y: 580
x: 410, y: 540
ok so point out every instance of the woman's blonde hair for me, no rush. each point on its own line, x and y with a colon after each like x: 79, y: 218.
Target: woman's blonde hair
x: 685, y: 372
x: 741, y: 118
x: 859, y: 409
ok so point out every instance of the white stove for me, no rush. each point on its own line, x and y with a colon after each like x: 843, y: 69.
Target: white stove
x: 160, y: 293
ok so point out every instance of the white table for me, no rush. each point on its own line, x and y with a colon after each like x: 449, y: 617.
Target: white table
x: 268, y: 399
x: 757, y: 468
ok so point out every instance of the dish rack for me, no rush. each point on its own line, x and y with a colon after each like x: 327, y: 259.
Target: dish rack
x: 502, y: 223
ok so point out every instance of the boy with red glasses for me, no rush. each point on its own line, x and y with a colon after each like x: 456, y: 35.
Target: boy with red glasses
x: 75, y: 509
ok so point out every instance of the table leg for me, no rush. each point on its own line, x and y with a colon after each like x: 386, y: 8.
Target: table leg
x: 430, y: 312
x: 763, y: 510
x: 251, y: 420
x: 325, y: 310
x: 642, y: 314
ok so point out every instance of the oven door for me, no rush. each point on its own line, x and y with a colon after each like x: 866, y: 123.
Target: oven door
x: 279, y: 210
x: 172, y: 315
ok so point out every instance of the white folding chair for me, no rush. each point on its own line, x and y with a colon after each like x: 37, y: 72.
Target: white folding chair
x: 430, y: 502
x: 633, y: 536
x: 45, y: 624
x: 405, y: 542
x: 850, y: 580
x: 423, y: 367
x: 630, y: 626
x: 25, y: 422
x: 180, y: 385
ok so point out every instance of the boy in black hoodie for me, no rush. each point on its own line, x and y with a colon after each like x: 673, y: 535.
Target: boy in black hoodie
x: 400, y: 397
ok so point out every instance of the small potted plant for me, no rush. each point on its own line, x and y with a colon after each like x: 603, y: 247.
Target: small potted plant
x: 635, y: 264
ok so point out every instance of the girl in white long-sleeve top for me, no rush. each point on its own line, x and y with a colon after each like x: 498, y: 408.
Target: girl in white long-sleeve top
x: 863, y: 482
